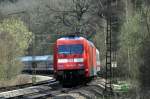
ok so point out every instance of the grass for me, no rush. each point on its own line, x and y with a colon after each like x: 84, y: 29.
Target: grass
x: 19, y: 79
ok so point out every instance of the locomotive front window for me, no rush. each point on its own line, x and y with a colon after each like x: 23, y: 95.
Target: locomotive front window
x: 70, y: 49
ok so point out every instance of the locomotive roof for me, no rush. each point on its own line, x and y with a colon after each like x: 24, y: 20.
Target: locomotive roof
x: 68, y: 38
x: 36, y: 58
x: 77, y: 38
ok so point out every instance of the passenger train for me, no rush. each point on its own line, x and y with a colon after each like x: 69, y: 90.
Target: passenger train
x: 75, y: 59
x: 44, y: 64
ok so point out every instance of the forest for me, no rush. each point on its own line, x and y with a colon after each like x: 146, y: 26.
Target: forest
x: 30, y: 27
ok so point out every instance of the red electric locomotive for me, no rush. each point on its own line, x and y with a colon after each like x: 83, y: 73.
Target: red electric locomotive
x: 75, y: 58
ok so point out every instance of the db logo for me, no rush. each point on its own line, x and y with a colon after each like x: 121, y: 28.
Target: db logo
x: 70, y: 60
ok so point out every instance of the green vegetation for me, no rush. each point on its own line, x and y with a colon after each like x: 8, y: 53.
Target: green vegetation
x: 134, y: 49
x: 14, y: 40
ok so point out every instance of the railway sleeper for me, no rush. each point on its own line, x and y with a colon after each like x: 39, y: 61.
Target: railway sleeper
x: 38, y: 96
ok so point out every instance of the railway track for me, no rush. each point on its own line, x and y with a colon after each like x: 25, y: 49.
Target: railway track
x: 8, y: 88
x: 81, y: 92
x: 51, y: 89
x: 26, y: 89
x: 89, y: 91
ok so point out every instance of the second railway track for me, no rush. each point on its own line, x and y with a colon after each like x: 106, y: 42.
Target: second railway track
x: 21, y: 90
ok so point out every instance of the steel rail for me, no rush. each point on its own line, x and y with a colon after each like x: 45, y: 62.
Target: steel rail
x: 8, y: 88
x: 35, y: 88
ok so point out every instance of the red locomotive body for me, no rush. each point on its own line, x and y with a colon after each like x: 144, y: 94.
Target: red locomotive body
x: 75, y: 58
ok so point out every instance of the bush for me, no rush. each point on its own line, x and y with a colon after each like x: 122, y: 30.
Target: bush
x: 14, y: 39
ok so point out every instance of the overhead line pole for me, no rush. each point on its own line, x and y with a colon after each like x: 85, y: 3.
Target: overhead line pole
x: 108, y: 73
x: 34, y: 65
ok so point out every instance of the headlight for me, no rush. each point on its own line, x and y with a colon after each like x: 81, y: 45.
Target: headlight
x: 78, y: 59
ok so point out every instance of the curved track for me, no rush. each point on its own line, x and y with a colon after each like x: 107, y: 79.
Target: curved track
x: 21, y: 90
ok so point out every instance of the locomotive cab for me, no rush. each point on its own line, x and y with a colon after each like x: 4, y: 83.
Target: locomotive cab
x: 69, y: 58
